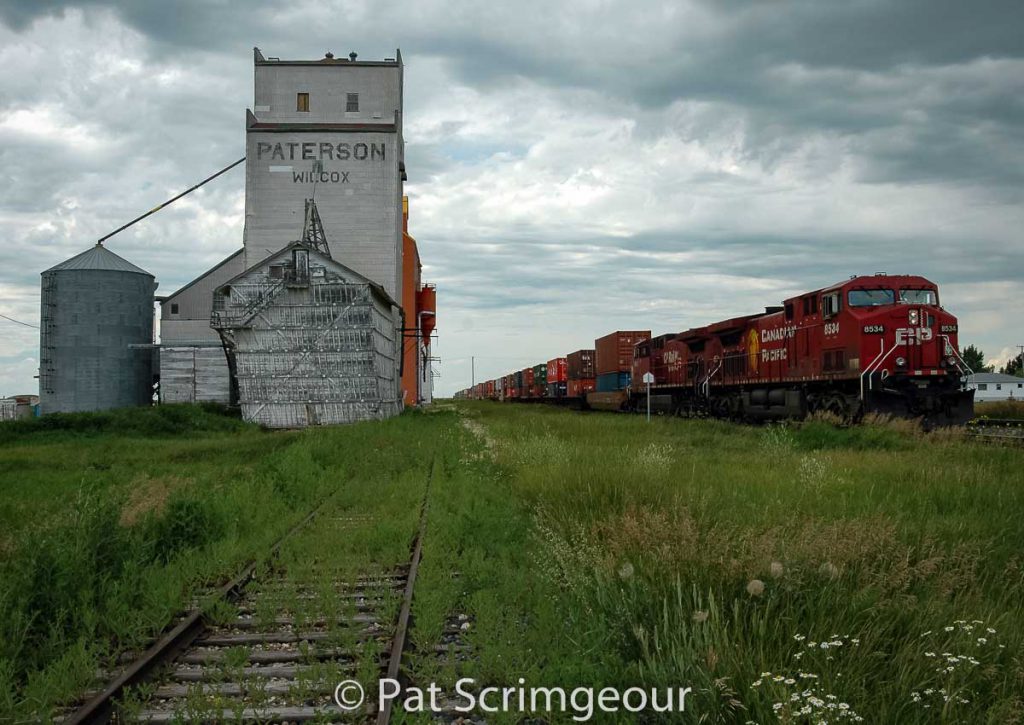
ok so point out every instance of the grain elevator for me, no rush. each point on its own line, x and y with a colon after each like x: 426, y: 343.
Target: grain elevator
x: 324, y: 135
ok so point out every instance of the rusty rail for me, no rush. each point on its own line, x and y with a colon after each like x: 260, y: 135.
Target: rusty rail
x: 100, y: 708
x: 404, y: 614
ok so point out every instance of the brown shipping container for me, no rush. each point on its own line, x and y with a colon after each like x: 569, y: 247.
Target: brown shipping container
x: 614, y: 352
x: 579, y: 388
x: 580, y: 365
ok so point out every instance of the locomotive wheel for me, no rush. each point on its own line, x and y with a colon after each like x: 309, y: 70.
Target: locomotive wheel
x: 834, y: 405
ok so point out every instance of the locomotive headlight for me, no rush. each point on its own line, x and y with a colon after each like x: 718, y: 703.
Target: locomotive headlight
x: 901, y: 362
x: 913, y: 317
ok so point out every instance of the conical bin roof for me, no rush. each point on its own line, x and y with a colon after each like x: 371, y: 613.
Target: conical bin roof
x: 98, y: 258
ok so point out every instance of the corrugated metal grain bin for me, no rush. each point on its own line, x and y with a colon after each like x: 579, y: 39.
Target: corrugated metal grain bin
x: 97, y: 334
x: 557, y: 370
x: 614, y: 352
x: 612, y: 381
x: 579, y: 365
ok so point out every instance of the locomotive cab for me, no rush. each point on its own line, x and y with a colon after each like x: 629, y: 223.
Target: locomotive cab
x: 907, y: 354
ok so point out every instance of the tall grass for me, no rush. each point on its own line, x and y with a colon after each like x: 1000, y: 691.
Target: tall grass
x: 779, y: 570
x: 1007, y: 409
x: 703, y: 553
x: 134, y: 515
x: 163, y: 420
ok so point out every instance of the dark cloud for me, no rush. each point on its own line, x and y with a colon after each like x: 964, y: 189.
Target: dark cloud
x: 655, y: 163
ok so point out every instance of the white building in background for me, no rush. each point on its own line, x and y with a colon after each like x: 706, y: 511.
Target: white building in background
x: 996, y: 386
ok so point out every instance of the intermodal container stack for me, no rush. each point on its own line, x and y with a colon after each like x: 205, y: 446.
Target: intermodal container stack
x: 579, y: 372
x: 556, y: 373
x: 613, y: 358
x: 579, y: 388
x: 557, y: 370
x: 540, y: 380
x: 527, y: 383
x: 579, y: 365
x: 610, y: 382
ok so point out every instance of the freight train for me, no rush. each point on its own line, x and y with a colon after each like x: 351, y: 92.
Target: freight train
x: 878, y: 343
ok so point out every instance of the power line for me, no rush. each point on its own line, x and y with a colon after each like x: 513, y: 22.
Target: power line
x: 155, y: 209
x: 490, y: 357
x: 36, y: 327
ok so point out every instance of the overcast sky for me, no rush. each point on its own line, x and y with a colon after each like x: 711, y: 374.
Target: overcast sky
x: 611, y: 166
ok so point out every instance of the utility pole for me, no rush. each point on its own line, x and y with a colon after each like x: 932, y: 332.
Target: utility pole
x: 472, y: 371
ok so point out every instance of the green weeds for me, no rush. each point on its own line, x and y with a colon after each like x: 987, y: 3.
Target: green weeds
x: 706, y: 554
x: 124, y: 518
x: 806, y: 573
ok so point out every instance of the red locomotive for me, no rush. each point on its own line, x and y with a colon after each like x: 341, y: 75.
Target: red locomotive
x: 871, y: 344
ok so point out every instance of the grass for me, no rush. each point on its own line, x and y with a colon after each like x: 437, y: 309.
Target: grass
x: 113, y: 525
x: 1000, y: 409
x: 873, y: 565
x: 775, y: 569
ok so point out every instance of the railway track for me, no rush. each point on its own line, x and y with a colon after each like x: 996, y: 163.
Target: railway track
x: 997, y: 430
x: 997, y: 423
x: 989, y: 430
x: 272, y: 645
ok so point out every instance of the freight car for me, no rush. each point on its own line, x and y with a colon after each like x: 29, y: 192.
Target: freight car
x: 874, y: 343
